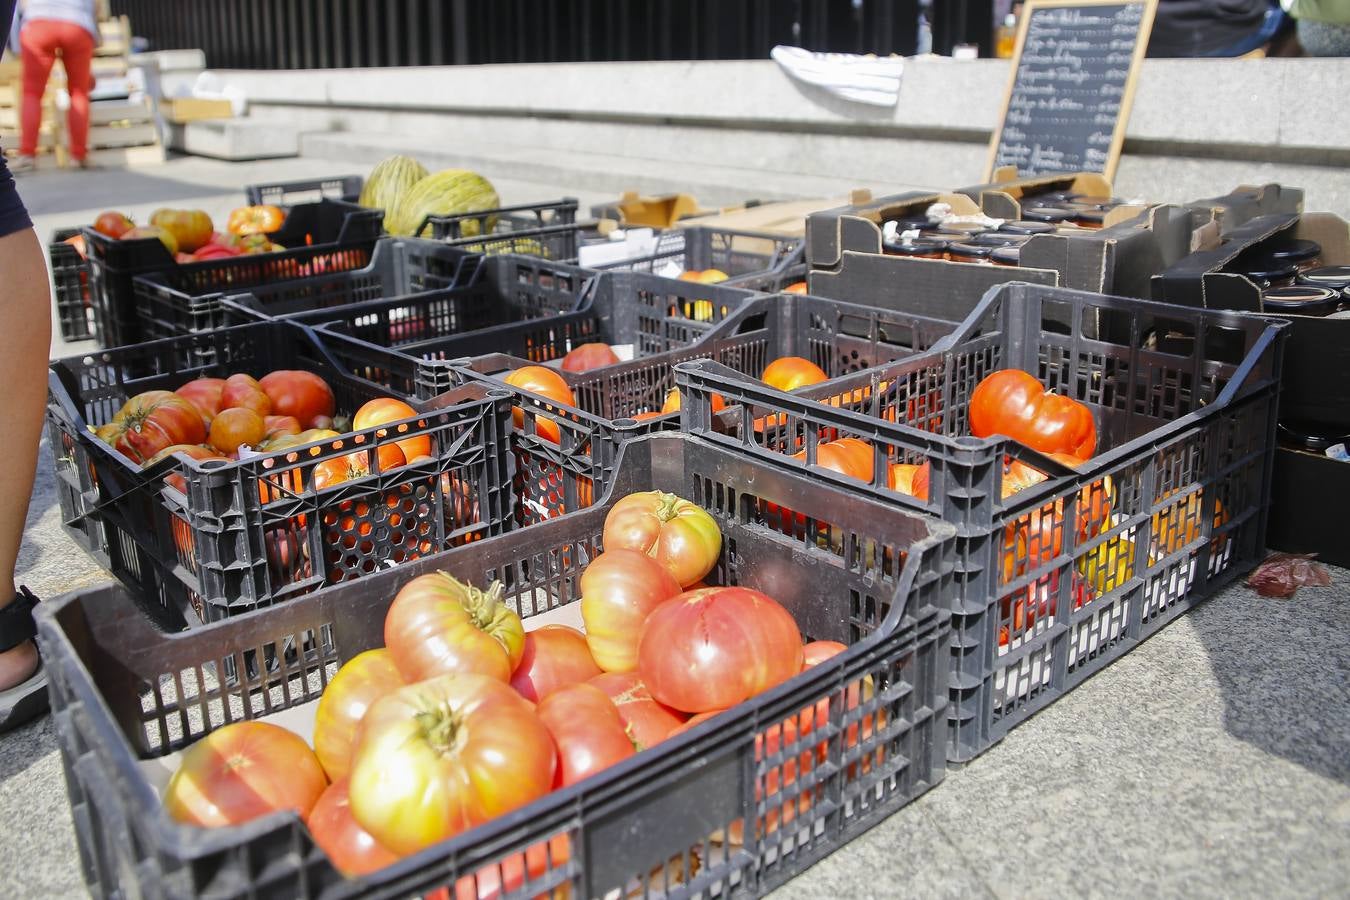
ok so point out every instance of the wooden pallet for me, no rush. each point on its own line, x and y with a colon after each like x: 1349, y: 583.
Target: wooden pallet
x: 116, y: 34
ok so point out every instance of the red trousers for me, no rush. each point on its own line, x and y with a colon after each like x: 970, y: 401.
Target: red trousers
x: 41, y: 41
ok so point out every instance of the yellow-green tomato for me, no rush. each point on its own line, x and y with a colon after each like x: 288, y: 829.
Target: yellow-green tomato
x: 680, y: 536
x: 445, y: 755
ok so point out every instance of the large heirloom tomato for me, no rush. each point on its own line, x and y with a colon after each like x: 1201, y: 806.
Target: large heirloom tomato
x: 242, y: 771
x: 152, y: 421
x: 646, y: 721
x: 236, y: 427
x: 619, y: 589
x: 787, y: 373
x: 554, y: 657
x: 303, y: 395
x: 440, y: 757
x: 204, y: 393
x: 438, y: 625
x: 588, y: 730
x: 350, y: 847
x: 677, y: 534
x: 364, y: 679
x: 1014, y: 404
x: 387, y: 409
x: 246, y: 392
x: 255, y: 220
x: 548, y: 384
x: 713, y: 648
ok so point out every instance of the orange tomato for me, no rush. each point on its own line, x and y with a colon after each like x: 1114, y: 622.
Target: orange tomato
x: 548, y: 384
x: 387, y: 409
x: 787, y: 373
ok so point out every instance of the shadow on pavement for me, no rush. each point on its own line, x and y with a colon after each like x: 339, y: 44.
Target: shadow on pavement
x: 1283, y: 667
x: 25, y: 746
x: 46, y: 193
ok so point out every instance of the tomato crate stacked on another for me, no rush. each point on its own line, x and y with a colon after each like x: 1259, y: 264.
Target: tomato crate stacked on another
x: 328, y: 236
x: 1058, y: 579
x: 287, y: 194
x: 70, y: 287
x: 758, y: 261
x: 203, y: 540
x: 857, y: 570
x: 460, y: 291
x: 547, y: 230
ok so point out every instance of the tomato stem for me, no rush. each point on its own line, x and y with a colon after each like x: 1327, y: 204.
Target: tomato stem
x: 667, y: 510
x: 440, y: 727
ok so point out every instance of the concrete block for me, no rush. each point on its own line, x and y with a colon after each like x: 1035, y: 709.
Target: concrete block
x: 235, y: 139
x: 171, y: 60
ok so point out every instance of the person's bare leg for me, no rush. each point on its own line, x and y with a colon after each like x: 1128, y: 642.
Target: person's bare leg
x: 25, y: 341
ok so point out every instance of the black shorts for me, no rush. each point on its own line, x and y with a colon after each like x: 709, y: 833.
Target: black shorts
x: 13, y: 214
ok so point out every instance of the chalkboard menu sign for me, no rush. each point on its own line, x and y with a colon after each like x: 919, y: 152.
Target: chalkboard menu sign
x: 1071, y: 86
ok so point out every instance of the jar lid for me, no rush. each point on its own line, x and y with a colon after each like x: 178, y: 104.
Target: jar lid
x: 920, y: 246
x: 1008, y: 256
x: 1050, y: 197
x: 1046, y: 214
x: 1022, y: 226
x: 1335, y: 277
x: 912, y: 223
x: 1266, y: 269
x: 962, y: 229
x: 1295, y: 251
x: 1090, y: 216
x: 1306, y: 299
x: 1000, y: 239
x: 1309, y: 438
x: 969, y: 250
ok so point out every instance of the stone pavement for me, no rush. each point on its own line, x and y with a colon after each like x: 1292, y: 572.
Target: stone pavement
x: 1213, y: 761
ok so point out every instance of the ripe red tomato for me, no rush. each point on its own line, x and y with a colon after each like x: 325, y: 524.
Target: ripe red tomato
x: 361, y: 681
x: 713, y: 648
x: 680, y: 536
x: 438, y: 625
x: 387, y: 409
x: 236, y: 427
x: 589, y: 356
x: 787, y: 373
x: 548, y: 384
x: 1015, y: 404
x: 619, y: 589
x: 303, y: 395
x: 244, y: 391
x: 819, y: 651
x: 204, y: 393
x: 113, y: 224
x: 554, y: 657
x: 350, y: 847
x: 242, y: 771
x: 491, y: 882
x: 440, y: 757
x: 673, y: 401
x: 358, y: 464
x: 646, y: 721
x: 150, y: 422
x: 588, y: 730
x: 844, y: 458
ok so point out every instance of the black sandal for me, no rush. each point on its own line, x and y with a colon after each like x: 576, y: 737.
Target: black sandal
x: 28, y: 699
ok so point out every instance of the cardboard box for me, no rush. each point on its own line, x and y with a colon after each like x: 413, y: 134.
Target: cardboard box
x: 182, y: 110
x: 1316, y: 378
x: 1308, y: 498
x: 1247, y: 202
x: 787, y: 217
x: 655, y: 212
x: 1002, y: 198
x: 844, y: 249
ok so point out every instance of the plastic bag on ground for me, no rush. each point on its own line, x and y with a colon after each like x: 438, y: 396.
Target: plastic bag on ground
x: 1284, y: 573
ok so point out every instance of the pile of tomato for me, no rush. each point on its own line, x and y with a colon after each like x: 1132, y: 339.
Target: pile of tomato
x: 463, y: 715
x: 189, y: 234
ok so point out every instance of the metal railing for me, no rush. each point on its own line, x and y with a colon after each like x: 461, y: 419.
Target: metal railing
x: 312, y: 34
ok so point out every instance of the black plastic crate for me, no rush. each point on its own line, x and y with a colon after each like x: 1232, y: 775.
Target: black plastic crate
x: 122, y: 693
x: 329, y: 236
x: 654, y: 316
x: 292, y: 193
x: 399, y: 269
x: 1051, y: 588
x: 548, y: 230
x: 200, y: 541
x: 758, y: 261
x: 70, y: 287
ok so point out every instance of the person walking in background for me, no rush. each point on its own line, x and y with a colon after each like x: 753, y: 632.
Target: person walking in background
x: 49, y: 28
x: 1323, y: 25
